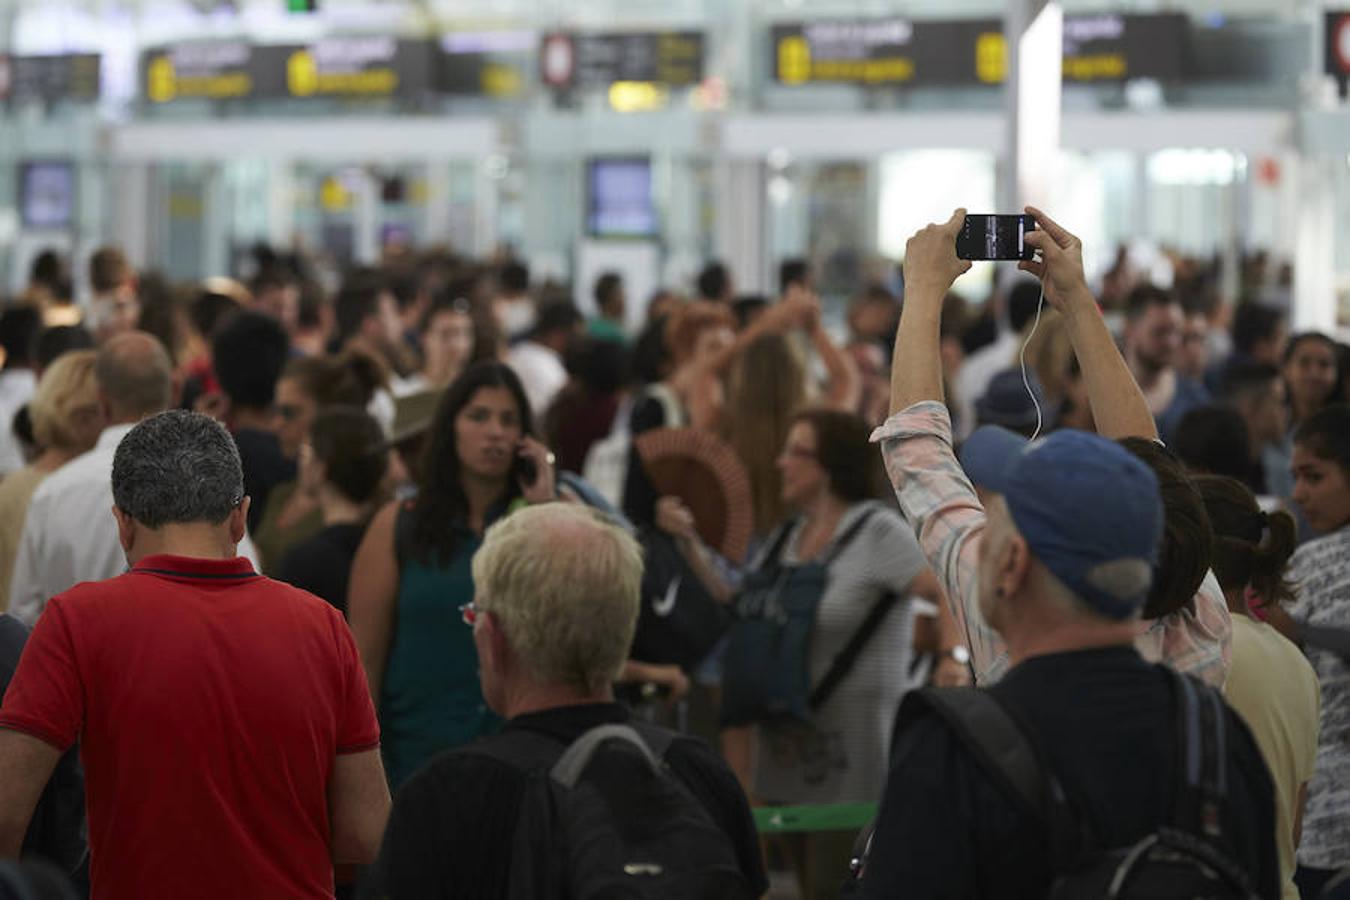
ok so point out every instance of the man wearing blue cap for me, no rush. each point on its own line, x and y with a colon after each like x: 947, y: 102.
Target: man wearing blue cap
x: 1069, y: 535
x: 1187, y: 624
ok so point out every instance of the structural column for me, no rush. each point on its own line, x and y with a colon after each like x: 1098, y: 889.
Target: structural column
x: 1034, y: 32
x: 740, y: 220
x: 1314, y: 252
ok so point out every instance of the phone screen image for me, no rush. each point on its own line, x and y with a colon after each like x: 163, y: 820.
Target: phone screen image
x: 986, y: 237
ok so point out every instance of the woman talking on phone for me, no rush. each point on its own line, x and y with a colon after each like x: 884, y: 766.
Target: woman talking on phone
x: 411, y: 574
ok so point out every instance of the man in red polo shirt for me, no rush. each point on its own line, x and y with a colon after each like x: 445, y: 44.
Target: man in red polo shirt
x: 227, y: 733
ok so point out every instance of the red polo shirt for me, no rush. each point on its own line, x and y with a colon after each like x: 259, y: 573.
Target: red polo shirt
x: 210, y: 704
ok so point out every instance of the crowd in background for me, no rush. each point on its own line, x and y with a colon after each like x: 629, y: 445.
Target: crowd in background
x: 385, y: 426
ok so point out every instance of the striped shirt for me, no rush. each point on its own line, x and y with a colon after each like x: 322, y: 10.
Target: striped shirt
x: 850, y: 761
x: 941, y: 505
x: 1321, y: 569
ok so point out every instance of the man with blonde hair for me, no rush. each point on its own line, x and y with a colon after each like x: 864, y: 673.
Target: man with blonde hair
x: 556, y: 604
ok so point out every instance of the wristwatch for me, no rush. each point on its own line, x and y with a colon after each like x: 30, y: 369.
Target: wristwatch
x: 958, y: 653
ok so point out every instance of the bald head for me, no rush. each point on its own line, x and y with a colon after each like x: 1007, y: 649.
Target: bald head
x: 135, y: 377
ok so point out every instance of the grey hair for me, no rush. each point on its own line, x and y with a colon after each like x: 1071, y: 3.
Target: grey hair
x: 177, y: 466
x: 566, y: 586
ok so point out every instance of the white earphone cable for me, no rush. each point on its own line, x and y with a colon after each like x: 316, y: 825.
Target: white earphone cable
x: 1026, y: 381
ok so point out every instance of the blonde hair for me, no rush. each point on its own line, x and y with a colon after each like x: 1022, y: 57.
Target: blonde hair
x: 766, y: 388
x: 67, y: 389
x: 565, y: 586
x: 691, y: 320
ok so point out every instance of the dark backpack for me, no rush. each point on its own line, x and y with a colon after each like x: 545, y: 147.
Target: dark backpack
x: 679, y: 622
x: 766, y: 672
x: 606, y: 819
x: 1181, y: 860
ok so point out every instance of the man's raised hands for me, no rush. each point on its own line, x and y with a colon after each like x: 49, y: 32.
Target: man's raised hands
x: 1060, y: 266
x: 931, y: 263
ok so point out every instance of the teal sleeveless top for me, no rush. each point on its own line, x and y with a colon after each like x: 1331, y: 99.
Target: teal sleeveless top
x: 431, y: 699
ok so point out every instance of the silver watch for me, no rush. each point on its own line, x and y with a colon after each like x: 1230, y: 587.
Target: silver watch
x: 958, y: 653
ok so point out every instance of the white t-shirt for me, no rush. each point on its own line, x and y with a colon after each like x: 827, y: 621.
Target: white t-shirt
x: 70, y: 535
x: 16, y: 389
x: 541, y: 372
x: 979, y: 369
x: 858, y: 717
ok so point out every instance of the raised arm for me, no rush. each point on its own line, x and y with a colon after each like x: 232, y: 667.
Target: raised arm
x: 777, y: 318
x: 373, y: 595
x: 675, y: 519
x: 931, y: 265
x: 1118, y: 406
x: 843, y: 385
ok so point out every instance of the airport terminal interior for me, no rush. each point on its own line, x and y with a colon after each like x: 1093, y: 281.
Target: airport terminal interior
x: 829, y: 311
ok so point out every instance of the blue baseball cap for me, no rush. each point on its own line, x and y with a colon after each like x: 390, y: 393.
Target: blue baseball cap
x: 1089, y: 510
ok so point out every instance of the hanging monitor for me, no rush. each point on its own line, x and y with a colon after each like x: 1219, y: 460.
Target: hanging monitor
x: 47, y: 194
x: 619, y: 201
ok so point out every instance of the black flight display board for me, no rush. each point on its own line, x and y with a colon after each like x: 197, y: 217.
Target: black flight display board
x: 898, y: 51
x: 201, y: 70
x: 891, y: 51
x: 1338, y: 47
x: 73, y: 78
x: 484, y: 64
x: 339, y: 67
x: 352, y: 67
x: 588, y: 61
x: 1117, y: 47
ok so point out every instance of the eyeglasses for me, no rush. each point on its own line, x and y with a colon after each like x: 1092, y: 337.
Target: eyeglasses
x: 469, y: 614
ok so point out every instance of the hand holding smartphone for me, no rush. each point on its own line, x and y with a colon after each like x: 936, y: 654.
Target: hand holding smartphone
x: 995, y: 237
x: 533, y: 471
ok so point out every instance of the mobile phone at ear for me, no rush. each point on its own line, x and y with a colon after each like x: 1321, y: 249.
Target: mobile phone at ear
x: 525, y: 470
x: 986, y: 237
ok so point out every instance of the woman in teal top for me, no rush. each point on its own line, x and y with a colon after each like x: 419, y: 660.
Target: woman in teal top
x: 411, y: 574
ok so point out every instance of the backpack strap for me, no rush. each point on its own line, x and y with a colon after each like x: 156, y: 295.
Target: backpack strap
x: 841, y: 543
x: 1202, y: 766
x: 568, y: 770
x: 780, y: 540
x: 998, y: 743
x: 844, y: 661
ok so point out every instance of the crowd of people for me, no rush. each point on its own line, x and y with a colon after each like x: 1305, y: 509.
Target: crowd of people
x: 431, y: 585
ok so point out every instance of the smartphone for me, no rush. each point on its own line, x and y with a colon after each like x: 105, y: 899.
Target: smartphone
x: 525, y: 470
x: 995, y: 237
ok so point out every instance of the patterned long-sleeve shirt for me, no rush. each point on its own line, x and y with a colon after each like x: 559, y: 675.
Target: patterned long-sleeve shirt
x: 941, y: 505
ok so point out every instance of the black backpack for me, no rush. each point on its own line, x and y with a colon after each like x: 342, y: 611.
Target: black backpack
x: 679, y: 622
x: 606, y: 819
x: 1179, y: 861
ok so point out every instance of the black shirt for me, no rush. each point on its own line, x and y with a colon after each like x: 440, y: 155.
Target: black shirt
x: 322, y: 564
x: 639, y: 494
x: 1104, y: 722
x: 264, y: 468
x: 452, y: 825
x: 56, y: 830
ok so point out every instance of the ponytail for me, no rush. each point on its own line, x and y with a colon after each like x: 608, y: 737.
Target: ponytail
x: 1251, y: 548
x: 1271, y: 558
